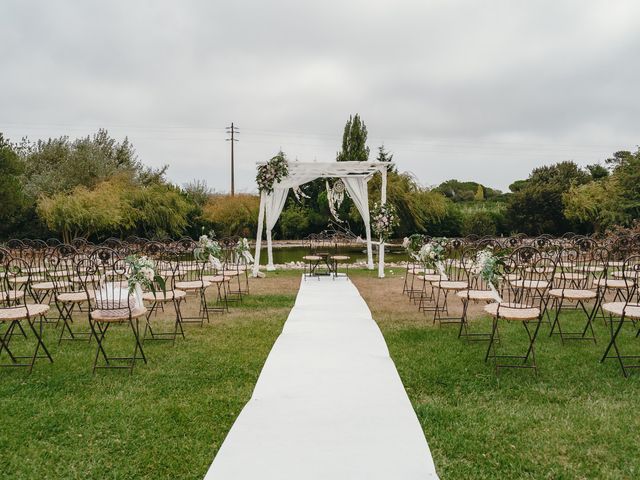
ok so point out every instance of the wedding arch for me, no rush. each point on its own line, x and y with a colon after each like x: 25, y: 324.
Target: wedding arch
x: 355, y: 176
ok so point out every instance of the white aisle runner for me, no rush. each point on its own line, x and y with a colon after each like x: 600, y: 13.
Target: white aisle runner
x: 329, y: 403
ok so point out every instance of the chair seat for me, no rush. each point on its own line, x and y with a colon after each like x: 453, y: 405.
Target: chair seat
x: 612, y: 283
x: 312, y: 257
x: 512, y: 311
x: 572, y: 293
x: 530, y: 284
x: 11, y: 295
x: 477, y: 295
x: 118, y: 315
x: 631, y: 310
x: 216, y: 278
x: 230, y: 273
x: 19, y: 313
x: 340, y: 257
x: 167, y: 296
x: 430, y: 277
x: 48, y: 285
x: 74, y: 297
x: 570, y: 276
x: 451, y: 285
x: 189, y: 286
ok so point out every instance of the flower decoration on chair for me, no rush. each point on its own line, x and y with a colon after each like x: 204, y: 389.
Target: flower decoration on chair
x: 432, y: 253
x: 413, y: 244
x: 383, y: 220
x: 242, y: 250
x: 208, y: 250
x: 272, y: 172
x: 142, y: 274
x: 485, y: 266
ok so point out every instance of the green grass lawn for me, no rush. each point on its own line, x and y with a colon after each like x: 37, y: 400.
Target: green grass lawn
x: 577, y: 419
x: 166, y: 420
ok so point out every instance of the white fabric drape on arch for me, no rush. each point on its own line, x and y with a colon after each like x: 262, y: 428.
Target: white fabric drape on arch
x: 357, y: 188
x: 273, y: 208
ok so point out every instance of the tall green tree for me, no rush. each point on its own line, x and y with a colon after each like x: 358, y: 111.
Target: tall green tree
x: 354, y: 141
x: 537, y: 206
x: 12, y: 198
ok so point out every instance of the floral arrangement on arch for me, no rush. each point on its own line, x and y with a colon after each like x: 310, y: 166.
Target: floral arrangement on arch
x: 383, y: 220
x: 413, y: 244
x: 142, y: 274
x: 242, y: 250
x: 272, y: 172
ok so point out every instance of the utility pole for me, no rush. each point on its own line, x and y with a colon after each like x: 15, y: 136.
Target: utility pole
x: 232, y: 131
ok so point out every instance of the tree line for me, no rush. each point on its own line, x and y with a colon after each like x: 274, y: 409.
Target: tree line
x: 97, y: 187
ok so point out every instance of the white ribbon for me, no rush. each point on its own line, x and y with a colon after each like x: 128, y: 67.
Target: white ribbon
x: 440, y: 268
x: 247, y: 256
x: 496, y: 295
x: 215, y: 263
x: 137, y: 294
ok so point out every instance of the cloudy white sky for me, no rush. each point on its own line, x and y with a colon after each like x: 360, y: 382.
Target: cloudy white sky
x: 455, y: 89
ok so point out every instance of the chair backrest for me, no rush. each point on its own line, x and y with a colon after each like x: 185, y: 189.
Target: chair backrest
x: 631, y: 276
x: 14, y: 273
x: 527, y: 277
x: 104, y: 274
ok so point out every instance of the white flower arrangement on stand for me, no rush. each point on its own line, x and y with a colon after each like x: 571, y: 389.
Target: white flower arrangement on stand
x: 208, y: 250
x: 142, y: 274
x: 383, y: 220
x: 242, y: 250
x: 485, y: 266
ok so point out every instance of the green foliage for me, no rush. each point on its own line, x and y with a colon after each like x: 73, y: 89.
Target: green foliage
x: 237, y: 215
x: 12, y: 198
x: 86, y: 212
x: 467, y: 191
x: 354, y: 141
x: 478, y: 222
x: 595, y: 203
x: 294, y: 222
x: 538, y: 206
x: 157, y: 210
x: 598, y: 171
x: 60, y: 165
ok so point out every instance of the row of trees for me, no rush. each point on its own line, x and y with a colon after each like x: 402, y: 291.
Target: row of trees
x: 97, y: 187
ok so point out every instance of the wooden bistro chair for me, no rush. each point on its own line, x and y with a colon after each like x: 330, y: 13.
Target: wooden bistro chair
x: 189, y: 278
x: 627, y: 311
x: 574, y: 286
x: 15, y: 312
x: 527, y: 277
x: 104, y: 276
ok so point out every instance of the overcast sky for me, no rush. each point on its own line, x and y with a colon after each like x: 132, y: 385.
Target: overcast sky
x: 455, y: 89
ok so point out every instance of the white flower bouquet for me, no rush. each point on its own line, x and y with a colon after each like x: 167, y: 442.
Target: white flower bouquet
x: 242, y: 250
x: 142, y: 274
x: 208, y: 250
x: 383, y: 220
